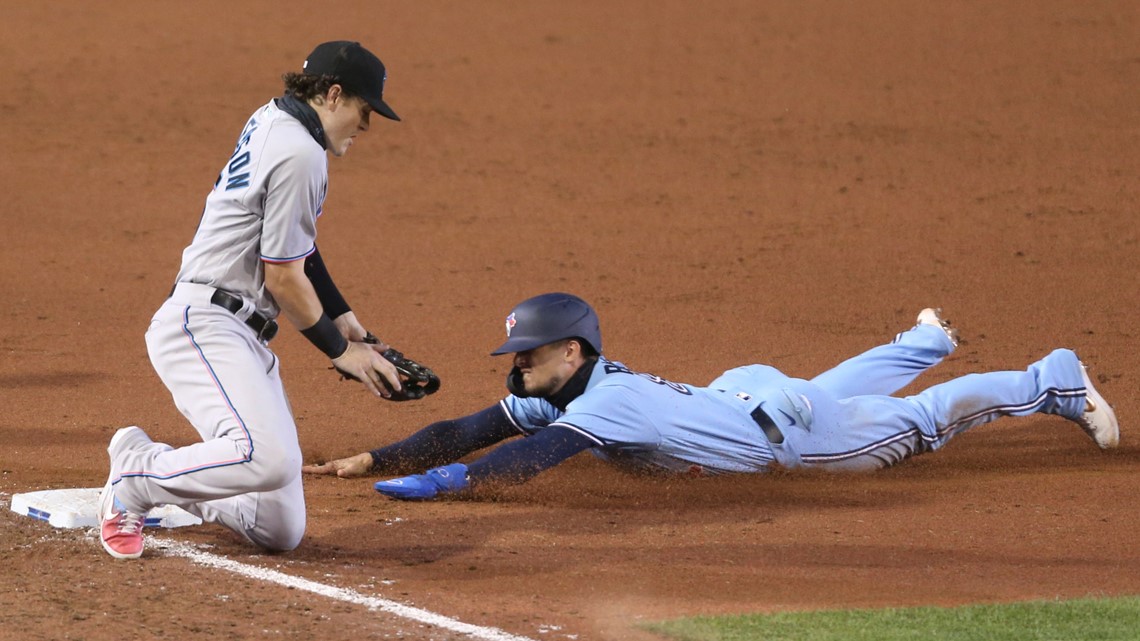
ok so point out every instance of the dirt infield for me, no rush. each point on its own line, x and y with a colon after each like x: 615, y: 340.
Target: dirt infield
x: 728, y: 181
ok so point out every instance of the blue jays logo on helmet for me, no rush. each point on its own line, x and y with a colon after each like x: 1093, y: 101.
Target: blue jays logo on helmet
x: 547, y: 318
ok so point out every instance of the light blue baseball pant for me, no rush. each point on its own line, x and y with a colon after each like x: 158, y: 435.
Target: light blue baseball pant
x: 848, y: 421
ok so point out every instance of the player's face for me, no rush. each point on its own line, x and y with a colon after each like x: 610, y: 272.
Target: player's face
x: 546, y: 369
x: 346, y: 117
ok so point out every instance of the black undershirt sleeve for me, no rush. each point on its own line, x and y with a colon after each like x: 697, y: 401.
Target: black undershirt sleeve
x: 521, y: 460
x: 444, y: 442
x: 330, y: 297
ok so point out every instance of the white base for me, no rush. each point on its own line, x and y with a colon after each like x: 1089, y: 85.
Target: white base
x: 79, y: 507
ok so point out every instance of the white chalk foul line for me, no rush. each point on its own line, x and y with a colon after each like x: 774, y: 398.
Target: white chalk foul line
x: 176, y: 548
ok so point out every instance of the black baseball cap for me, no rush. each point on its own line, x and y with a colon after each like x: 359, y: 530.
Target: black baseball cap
x: 357, y: 69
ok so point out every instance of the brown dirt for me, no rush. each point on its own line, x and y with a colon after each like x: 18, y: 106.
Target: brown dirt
x: 728, y: 182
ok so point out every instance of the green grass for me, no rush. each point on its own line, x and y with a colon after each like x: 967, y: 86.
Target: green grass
x: 1080, y: 620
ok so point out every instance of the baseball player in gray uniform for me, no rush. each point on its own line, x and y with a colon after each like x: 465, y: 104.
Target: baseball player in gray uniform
x: 566, y: 397
x: 253, y: 257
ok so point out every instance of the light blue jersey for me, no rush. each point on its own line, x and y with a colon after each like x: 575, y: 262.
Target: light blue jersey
x: 844, y: 419
x: 642, y: 420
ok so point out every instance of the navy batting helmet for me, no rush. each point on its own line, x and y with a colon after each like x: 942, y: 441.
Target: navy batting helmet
x: 547, y: 318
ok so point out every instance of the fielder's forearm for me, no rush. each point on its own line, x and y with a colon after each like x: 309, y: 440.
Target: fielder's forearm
x: 298, y: 300
x: 293, y: 292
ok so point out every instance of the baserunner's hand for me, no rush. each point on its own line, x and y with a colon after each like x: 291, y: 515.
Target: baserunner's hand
x: 345, y: 468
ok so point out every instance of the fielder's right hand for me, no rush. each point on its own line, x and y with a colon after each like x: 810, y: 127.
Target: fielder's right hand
x: 361, y: 363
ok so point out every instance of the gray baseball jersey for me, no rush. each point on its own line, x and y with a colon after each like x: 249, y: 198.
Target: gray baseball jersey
x: 264, y: 207
x: 245, y: 474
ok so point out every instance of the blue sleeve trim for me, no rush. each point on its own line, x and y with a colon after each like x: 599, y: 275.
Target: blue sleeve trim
x: 288, y: 259
x: 511, y: 417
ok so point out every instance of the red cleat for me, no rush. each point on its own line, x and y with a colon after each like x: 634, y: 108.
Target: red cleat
x: 120, y: 530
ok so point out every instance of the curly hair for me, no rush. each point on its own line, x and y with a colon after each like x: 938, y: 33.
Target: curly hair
x: 305, y: 87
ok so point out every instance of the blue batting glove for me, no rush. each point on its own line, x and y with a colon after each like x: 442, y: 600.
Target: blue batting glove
x: 424, y: 487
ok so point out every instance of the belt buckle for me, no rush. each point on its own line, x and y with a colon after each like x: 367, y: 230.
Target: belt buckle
x: 268, y: 331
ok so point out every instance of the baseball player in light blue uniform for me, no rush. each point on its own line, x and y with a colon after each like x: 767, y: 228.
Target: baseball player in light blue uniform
x: 566, y: 397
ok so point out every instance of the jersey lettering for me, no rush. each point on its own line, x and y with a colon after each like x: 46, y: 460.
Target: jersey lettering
x: 236, y: 180
x: 611, y: 368
x: 239, y: 160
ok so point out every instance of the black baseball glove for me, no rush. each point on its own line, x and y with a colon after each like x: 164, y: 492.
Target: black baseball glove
x: 416, y: 380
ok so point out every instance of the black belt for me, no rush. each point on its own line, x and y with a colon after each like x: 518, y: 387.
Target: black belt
x: 768, y: 426
x: 266, y: 329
